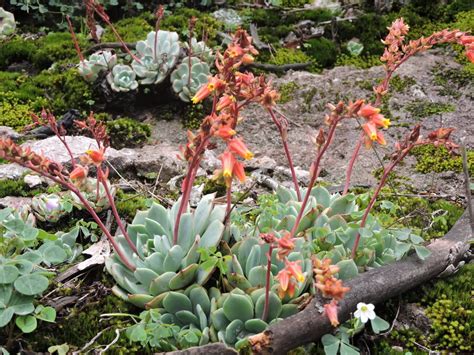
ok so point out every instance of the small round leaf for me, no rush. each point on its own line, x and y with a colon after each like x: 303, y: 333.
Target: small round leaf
x: 27, y: 324
x: 31, y: 284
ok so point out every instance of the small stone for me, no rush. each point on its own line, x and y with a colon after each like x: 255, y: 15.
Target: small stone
x: 7, y: 132
x: 32, y: 180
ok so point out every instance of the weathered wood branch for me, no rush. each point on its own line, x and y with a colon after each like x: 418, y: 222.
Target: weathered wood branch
x: 279, y: 68
x: 109, y: 45
x: 256, y: 38
x: 374, y: 286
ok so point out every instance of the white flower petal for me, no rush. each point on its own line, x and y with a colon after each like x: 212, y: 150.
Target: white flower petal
x: 370, y: 307
x: 371, y: 315
x: 364, y: 318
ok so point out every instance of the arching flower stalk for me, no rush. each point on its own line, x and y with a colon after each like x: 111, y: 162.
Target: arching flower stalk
x: 230, y: 91
x: 397, y: 51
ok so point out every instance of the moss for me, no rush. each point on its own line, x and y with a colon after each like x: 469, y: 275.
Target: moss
x: 16, y: 50
x: 193, y: 115
x: 13, y: 112
x: 399, y: 84
x: 323, y: 50
x: 65, y: 89
x: 422, y: 108
x: 284, y: 56
x: 438, y: 159
x: 130, y: 29
x: 362, y: 62
x: 450, y: 80
x: 55, y: 47
x: 18, y: 188
x: 179, y: 20
x: 308, y: 98
x: 84, y: 322
x: 211, y: 185
x: 287, y: 91
x: 294, y: 3
x: 129, y: 203
x: 126, y: 132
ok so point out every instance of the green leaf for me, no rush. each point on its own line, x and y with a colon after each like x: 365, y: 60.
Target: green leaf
x: 331, y: 344
x: 54, y: 254
x: 379, y: 325
x: 422, y: 252
x: 137, y: 332
x: 347, y: 269
x: 8, y: 274
x: 5, y: 316
x: 347, y: 349
x: 27, y: 324
x: 32, y: 284
x: 60, y: 349
x: 47, y: 314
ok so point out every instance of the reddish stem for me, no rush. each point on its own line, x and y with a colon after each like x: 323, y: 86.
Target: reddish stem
x: 74, y: 39
x: 382, y: 182
x: 355, y: 154
x: 314, y: 175
x: 103, y: 180
x: 267, y: 284
x: 228, y: 204
x: 283, y: 135
x: 89, y: 209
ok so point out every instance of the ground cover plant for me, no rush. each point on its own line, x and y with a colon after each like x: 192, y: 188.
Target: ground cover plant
x: 218, y: 272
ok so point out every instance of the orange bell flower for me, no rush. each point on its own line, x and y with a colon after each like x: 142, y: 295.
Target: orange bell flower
x: 238, y: 147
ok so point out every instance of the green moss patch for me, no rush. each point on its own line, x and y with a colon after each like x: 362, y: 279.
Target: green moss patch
x: 126, y: 132
x: 438, y: 159
x: 422, y: 108
x: 130, y: 29
x: 287, y: 91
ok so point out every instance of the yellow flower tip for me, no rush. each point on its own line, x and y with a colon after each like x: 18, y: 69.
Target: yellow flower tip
x: 232, y: 132
x: 300, y: 278
x: 248, y: 155
x: 211, y: 87
x: 386, y: 123
x: 194, y: 100
x: 227, y: 173
x: 373, y: 136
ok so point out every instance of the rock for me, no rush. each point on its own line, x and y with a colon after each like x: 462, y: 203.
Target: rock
x: 210, y: 162
x: 7, y: 132
x: 32, y: 180
x: 14, y: 202
x: 263, y: 162
x: 160, y: 158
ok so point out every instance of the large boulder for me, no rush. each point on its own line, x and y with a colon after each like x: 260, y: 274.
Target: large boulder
x: 128, y: 162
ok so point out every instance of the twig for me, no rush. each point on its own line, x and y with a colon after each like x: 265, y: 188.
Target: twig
x: 394, y: 320
x: 109, y: 45
x: 256, y: 38
x: 465, y: 169
x: 92, y: 341
x: 279, y: 68
x: 116, y: 339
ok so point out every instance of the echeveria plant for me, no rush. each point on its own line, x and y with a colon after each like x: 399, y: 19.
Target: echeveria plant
x: 122, y: 78
x: 7, y: 23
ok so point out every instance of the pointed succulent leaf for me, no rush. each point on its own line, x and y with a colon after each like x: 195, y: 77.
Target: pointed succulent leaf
x: 288, y: 310
x: 219, y: 319
x: 173, y: 258
x: 239, y: 281
x: 274, y: 308
x: 238, y: 307
x: 187, y: 317
x: 244, y: 251
x: 202, y: 213
x: 140, y: 300
x: 192, y: 256
x: 184, y: 277
x: 213, y: 235
x: 233, y: 330
x: 155, y: 262
x: 199, y: 297
x: 253, y: 258
x: 203, y: 321
x: 257, y: 276
x: 186, y: 234
x: 154, y: 228
x: 175, y: 302
x: 347, y: 269
x: 161, y: 283
x: 145, y: 276
x: 255, y: 325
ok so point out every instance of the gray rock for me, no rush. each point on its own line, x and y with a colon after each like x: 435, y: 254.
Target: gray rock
x: 160, y: 158
x: 32, y: 180
x: 7, y: 132
x: 14, y: 202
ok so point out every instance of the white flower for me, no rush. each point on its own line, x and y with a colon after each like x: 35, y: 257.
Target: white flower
x: 365, y: 312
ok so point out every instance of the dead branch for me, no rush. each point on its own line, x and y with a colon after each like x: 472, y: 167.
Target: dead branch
x: 256, y: 38
x: 373, y: 286
x: 279, y: 68
x: 109, y: 45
